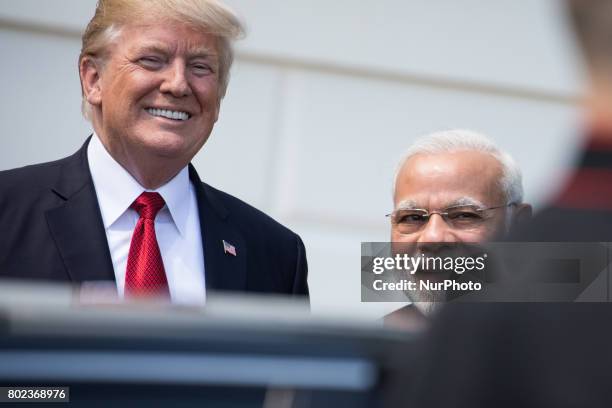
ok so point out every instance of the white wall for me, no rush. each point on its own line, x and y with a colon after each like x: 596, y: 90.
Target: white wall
x: 324, y: 97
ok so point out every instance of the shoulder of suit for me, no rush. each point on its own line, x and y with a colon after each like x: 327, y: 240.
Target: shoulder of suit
x: 246, y: 214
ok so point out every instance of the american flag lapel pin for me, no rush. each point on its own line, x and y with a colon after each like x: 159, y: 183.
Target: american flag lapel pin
x: 229, y: 248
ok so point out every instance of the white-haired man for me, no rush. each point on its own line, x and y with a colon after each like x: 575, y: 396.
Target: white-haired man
x: 128, y: 206
x: 452, y: 187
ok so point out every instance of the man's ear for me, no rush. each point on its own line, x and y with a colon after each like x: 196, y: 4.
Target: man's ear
x: 90, y: 73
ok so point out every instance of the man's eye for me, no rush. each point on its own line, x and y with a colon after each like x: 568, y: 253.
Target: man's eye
x: 201, y: 69
x: 411, y: 218
x: 464, y: 216
x: 150, y: 62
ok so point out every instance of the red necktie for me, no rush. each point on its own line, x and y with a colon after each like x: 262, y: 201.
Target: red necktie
x: 145, y: 274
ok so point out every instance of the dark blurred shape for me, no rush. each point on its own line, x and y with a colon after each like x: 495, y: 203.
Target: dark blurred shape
x: 238, y: 352
x: 512, y: 355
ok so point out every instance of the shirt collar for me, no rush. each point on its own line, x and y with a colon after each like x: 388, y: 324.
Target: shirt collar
x: 116, y: 189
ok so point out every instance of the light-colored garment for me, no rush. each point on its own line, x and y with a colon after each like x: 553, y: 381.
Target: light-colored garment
x: 177, y: 226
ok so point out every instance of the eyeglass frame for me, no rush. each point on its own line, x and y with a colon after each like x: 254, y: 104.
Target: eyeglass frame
x: 444, y: 212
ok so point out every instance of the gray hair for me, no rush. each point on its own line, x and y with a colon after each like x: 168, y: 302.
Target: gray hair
x: 455, y: 140
x: 209, y: 16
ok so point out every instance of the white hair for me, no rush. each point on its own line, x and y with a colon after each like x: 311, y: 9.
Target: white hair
x: 448, y: 141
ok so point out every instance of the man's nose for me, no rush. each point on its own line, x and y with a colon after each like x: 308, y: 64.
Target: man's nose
x: 436, y: 230
x: 175, y: 80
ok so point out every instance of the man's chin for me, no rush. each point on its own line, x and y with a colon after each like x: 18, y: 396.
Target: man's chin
x: 427, y: 301
x: 167, y: 145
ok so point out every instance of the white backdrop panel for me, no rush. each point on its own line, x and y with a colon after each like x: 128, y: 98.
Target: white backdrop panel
x: 521, y: 43
x: 40, y: 119
x: 346, y: 135
x: 240, y: 154
x: 70, y: 14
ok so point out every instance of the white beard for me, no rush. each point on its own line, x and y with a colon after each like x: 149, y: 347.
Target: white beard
x: 428, y: 302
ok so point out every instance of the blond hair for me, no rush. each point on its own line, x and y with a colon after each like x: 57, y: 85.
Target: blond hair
x: 209, y: 16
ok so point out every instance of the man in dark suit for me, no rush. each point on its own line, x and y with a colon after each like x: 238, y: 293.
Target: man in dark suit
x: 129, y: 206
x: 537, y: 354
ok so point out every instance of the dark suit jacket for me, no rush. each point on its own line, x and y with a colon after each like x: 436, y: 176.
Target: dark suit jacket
x: 540, y: 355
x: 51, y: 229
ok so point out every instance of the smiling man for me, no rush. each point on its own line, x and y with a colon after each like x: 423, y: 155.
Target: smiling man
x: 451, y: 188
x: 128, y: 207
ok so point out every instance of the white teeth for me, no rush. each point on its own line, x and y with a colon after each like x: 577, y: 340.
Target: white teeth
x: 176, y: 115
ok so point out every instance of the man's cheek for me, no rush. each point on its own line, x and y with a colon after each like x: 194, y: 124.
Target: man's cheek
x: 396, y: 236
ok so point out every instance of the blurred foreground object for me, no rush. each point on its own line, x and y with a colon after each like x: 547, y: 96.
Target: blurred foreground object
x: 237, y: 352
x: 511, y: 355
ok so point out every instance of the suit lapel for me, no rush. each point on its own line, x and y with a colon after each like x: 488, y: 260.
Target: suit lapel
x: 77, y: 229
x: 224, y: 271
x: 76, y: 225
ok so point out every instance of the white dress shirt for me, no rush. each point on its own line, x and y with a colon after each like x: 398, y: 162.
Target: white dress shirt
x: 177, y: 225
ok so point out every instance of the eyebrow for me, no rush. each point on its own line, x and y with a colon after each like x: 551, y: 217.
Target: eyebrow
x: 201, y: 52
x: 466, y: 201
x: 412, y: 205
x: 407, y: 205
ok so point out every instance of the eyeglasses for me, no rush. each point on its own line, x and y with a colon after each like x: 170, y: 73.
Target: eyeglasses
x: 461, y: 217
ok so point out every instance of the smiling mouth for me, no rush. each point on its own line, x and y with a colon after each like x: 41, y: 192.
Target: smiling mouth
x: 168, y: 114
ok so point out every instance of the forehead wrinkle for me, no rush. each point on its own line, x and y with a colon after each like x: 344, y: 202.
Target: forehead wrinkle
x: 193, y: 51
x: 153, y: 47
